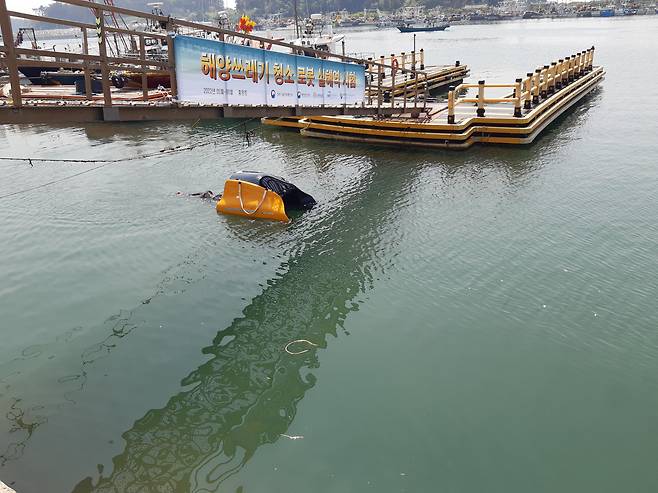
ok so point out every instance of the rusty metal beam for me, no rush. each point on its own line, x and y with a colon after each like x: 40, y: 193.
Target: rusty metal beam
x: 201, y: 27
x: 10, y: 61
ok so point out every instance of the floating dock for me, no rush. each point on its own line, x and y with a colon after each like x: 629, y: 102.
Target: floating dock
x: 461, y: 121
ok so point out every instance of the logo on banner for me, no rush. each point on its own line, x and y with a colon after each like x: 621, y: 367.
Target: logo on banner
x: 273, y: 93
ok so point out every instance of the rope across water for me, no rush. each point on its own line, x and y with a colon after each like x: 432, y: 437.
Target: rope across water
x: 104, y: 162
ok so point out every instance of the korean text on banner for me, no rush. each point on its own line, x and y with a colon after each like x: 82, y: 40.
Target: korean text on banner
x: 215, y: 72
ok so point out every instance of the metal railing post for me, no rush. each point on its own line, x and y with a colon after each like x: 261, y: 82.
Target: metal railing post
x: 85, y: 50
x: 380, y: 72
x: 142, y: 56
x: 102, y: 49
x: 422, y: 59
x: 173, y: 85
x: 393, y: 62
x: 369, y: 80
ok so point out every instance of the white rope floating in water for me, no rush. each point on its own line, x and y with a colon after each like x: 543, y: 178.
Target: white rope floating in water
x: 296, y: 342
x: 293, y: 437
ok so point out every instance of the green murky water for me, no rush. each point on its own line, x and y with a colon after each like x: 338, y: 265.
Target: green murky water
x: 486, y: 320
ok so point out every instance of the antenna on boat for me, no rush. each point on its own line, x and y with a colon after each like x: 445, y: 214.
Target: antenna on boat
x: 296, y: 19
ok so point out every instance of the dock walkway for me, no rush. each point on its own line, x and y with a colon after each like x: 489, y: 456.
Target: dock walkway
x: 461, y: 121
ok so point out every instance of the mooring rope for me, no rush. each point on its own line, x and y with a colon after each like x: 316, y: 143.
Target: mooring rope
x: 104, y: 162
x: 296, y: 342
x: 36, y: 187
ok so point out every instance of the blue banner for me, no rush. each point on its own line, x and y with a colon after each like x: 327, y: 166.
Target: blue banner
x: 215, y: 72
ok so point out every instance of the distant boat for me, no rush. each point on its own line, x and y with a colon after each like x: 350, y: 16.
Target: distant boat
x: 532, y: 15
x: 410, y: 28
x: 607, y: 13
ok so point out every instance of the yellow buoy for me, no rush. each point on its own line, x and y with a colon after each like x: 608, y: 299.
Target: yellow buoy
x: 257, y: 195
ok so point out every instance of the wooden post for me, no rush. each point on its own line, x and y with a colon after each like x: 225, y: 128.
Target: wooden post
x: 480, y: 110
x: 382, y: 72
x: 558, y: 74
x: 544, y: 83
x: 404, y: 94
x: 85, y: 50
x: 102, y: 49
x: 570, y: 69
x: 142, y: 56
x: 517, y: 98
x: 451, y: 104
x: 172, y: 66
x: 10, y: 55
x: 535, y: 96
x: 527, y: 104
x: 581, y: 62
x: 413, y: 63
x: 404, y: 61
x: 422, y: 59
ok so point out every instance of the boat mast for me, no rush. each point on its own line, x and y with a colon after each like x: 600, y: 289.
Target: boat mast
x: 296, y: 19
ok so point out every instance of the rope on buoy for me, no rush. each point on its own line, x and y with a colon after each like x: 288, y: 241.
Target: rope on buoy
x: 298, y: 341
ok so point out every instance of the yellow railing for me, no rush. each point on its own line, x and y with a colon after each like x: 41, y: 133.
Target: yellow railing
x: 537, y: 85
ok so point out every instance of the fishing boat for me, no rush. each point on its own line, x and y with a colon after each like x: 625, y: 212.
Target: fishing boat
x: 531, y: 14
x: 133, y: 79
x: 318, y: 35
x: 409, y: 27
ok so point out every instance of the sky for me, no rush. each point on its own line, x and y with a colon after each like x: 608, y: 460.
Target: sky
x: 25, y: 5
x: 28, y: 5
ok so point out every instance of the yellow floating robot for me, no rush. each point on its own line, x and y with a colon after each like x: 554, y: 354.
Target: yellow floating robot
x: 262, y: 196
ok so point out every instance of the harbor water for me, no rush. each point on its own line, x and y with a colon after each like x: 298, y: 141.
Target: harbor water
x: 485, y: 320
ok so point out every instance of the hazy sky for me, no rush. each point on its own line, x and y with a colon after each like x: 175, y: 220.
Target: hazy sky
x: 25, y: 5
x: 28, y: 5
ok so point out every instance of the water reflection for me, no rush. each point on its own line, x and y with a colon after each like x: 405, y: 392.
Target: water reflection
x: 246, y: 395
